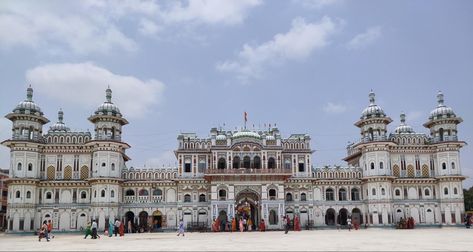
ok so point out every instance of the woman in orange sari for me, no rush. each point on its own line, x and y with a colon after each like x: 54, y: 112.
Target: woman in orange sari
x: 234, y: 225
x: 262, y: 226
x: 121, y: 229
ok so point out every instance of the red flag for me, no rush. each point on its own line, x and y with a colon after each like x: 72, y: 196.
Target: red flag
x: 246, y: 116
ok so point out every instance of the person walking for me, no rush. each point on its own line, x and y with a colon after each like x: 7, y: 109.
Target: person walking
x: 117, y: 225
x: 234, y: 224
x: 94, y: 229
x: 250, y: 224
x: 286, y: 223
x: 349, y: 223
x: 121, y: 229
x: 241, y: 225
x: 181, y: 228
x: 43, y: 232
x: 88, y: 230
x: 130, y: 227
x: 50, y: 229
x: 111, y: 227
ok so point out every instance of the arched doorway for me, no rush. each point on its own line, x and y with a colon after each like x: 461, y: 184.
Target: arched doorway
x: 143, y: 222
x: 330, y: 217
x: 157, y: 220
x: 343, y: 215
x: 129, y: 222
x: 223, y: 218
x: 356, y: 216
x: 247, y: 207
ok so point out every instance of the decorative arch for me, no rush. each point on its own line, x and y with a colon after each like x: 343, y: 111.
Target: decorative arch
x: 51, y: 173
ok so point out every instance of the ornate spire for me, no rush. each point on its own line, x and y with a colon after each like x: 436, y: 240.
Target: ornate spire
x: 60, y: 116
x: 108, y: 95
x: 29, y: 94
x: 403, y: 118
x: 372, y: 96
x: 440, y: 99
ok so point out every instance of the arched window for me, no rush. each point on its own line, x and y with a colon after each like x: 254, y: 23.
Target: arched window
x: 444, y: 166
x: 372, y: 166
x: 28, y: 194
x: 30, y: 166
x: 303, y: 197
x: 381, y: 165
x: 83, y: 195
x: 17, y: 194
x: 113, y: 166
x: 373, y: 192
x: 273, y: 217
x: 187, y: 198
x: 271, y: 163
x: 130, y: 192
x: 143, y: 192
x: 104, y: 164
x: 453, y: 165
x: 383, y: 191
x: 445, y: 191
x: 370, y: 134
x: 355, y: 194
x: 329, y: 196
x: 272, y: 194
x: 49, y: 195
x: 222, y: 194
x: 222, y: 164
x: 342, y: 194
x: 257, y: 162
x: 112, y: 194
x: 236, y: 162
x: 455, y: 191
x: 288, y: 196
x: 102, y: 194
x: 441, y: 133
x: 427, y: 192
x: 202, y: 198
x: 246, y: 162
x: 19, y: 166
x: 157, y: 192
x: 397, y: 192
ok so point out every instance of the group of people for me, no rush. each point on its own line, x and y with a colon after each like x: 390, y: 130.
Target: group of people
x: 45, y: 231
x: 408, y: 223
x: 242, y: 224
x: 468, y: 220
x: 295, y: 224
x: 116, y: 227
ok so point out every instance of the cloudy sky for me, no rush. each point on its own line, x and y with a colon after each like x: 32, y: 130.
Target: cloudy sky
x: 187, y: 66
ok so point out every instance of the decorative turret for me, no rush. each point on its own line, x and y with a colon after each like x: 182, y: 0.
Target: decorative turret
x: 443, y: 122
x: 373, y: 122
x: 108, y: 120
x: 403, y: 128
x: 60, y: 126
x: 28, y: 119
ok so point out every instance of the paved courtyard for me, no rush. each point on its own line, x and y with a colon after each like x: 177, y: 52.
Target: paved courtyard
x: 445, y: 239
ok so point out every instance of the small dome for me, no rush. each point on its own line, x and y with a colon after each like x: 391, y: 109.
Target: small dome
x: 108, y: 108
x: 372, y: 110
x: 221, y: 137
x: 60, y: 126
x: 246, y: 133
x: 441, y: 111
x: 28, y: 105
x: 403, y: 128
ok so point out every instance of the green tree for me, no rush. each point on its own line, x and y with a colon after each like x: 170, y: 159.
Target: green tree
x: 468, y: 196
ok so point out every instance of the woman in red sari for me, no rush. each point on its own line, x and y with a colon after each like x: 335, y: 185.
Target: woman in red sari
x: 297, y: 224
x: 121, y: 229
x: 262, y: 226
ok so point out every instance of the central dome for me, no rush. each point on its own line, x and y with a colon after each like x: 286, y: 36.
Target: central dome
x: 60, y: 126
x: 246, y: 133
x: 403, y: 128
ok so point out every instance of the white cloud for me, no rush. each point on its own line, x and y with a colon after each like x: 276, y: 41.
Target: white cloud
x: 334, y: 108
x: 64, y: 27
x: 85, y: 84
x: 97, y: 26
x: 364, y: 39
x: 166, y: 158
x: 317, y: 4
x: 227, y: 12
x: 297, y: 44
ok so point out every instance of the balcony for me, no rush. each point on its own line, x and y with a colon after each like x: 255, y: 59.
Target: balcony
x: 247, y: 174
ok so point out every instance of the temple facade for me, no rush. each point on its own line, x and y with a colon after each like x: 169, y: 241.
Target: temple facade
x: 75, y: 177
